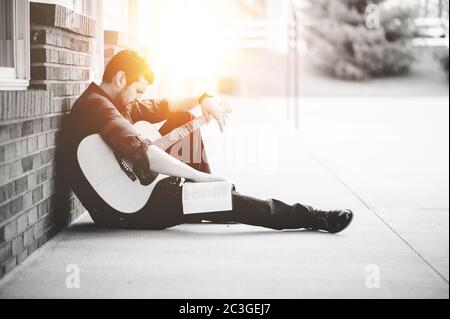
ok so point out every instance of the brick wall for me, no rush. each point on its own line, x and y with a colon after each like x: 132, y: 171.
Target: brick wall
x: 116, y: 41
x: 34, y: 203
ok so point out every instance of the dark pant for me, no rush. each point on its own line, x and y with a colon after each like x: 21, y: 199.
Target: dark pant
x: 165, y: 209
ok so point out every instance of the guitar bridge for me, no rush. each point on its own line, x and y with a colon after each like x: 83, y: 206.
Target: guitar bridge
x: 126, y: 167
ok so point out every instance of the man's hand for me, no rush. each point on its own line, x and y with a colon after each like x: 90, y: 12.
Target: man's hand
x: 201, y: 177
x: 218, y: 110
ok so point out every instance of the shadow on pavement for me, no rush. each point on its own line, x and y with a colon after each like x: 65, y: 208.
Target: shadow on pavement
x: 90, y: 228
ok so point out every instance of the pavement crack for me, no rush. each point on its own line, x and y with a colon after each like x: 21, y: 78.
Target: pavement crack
x: 340, y: 180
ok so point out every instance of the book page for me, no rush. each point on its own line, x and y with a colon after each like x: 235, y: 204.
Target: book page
x: 207, y: 197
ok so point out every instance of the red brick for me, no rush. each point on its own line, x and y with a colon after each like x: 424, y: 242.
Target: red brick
x: 32, y: 179
x: 16, y: 104
x: 42, y: 239
x: 7, y: 192
x: 33, y: 247
x: 10, y: 230
x: 48, y: 156
x: 58, y: 16
x: 21, y: 148
x: 5, y: 252
x: 4, y: 172
x: 59, y: 38
x: 4, y: 134
x: 37, y: 126
x: 32, y: 144
x: 15, y: 131
x: 42, y: 141
x: 37, y: 194
x: 21, y: 185
x: 27, y: 128
x: 50, y: 139
x: 17, y: 245
x: 5, y: 212
x: 39, y: 55
x: 38, y: 229
x: 59, y: 73
x: 2, y: 154
x: 22, y: 223
x: 47, y: 189
x: 10, y: 264
x: 37, y: 160
x: 28, y: 237
x: 22, y: 256
x: 15, y: 169
x: 27, y: 164
x: 32, y: 216
x: 27, y: 200
x: 17, y: 205
x: 8, y: 152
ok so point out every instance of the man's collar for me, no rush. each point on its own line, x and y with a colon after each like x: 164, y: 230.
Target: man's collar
x: 93, y: 87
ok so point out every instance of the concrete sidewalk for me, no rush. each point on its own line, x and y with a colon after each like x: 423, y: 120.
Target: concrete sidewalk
x: 386, y: 160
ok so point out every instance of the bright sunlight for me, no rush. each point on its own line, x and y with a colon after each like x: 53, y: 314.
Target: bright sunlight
x: 188, y: 42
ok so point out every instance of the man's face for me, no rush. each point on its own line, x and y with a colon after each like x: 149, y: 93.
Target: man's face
x: 129, y: 93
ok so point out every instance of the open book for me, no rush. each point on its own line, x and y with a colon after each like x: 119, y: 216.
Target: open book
x: 207, y: 197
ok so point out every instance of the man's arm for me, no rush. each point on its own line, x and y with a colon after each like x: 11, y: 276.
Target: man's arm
x: 163, y: 163
x: 155, y: 111
x: 211, y: 108
x: 120, y: 135
x: 182, y: 104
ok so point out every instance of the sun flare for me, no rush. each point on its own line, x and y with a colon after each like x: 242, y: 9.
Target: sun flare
x: 189, y: 42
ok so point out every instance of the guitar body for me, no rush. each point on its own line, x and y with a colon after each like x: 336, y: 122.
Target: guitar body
x: 103, y: 172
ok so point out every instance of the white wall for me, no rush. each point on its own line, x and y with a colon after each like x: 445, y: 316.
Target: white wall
x: 115, y: 15
x: 76, y: 5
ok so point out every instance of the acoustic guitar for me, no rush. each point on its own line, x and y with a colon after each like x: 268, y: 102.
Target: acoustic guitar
x: 112, y: 177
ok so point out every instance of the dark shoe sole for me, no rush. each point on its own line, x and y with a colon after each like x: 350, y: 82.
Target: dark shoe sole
x: 348, y: 224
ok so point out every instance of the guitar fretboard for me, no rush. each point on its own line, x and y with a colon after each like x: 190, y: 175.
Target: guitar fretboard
x: 178, y: 134
x: 173, y: 137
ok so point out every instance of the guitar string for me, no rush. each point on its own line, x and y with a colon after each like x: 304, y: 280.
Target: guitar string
x: 181, y: 132
x: 165, y: 142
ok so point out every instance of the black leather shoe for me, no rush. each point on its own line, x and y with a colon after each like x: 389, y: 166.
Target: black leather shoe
x: 332, y: 221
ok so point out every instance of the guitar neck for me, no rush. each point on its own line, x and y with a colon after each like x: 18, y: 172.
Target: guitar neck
x: 178, y: 134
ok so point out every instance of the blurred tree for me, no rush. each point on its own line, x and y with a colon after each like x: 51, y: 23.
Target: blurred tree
x: 443, y: 58
x: 255, y: 9
x: 359, y: 39
x: 444, y: 62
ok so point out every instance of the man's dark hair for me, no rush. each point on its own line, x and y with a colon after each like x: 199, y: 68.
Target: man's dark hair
x: 132, y: 64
